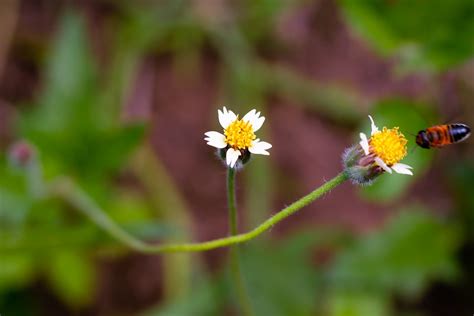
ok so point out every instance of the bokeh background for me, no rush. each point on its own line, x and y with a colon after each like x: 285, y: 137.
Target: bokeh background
x: 117, y: 96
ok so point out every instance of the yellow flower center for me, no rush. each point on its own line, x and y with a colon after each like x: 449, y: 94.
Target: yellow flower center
x: 239, y: 134
x: 389, y: 145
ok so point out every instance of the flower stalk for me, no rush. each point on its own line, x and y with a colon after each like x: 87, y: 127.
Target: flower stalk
x: 65, y: 189
x: 231, y: 201
x: 236, y: 270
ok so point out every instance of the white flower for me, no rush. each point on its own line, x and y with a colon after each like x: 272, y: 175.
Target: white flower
x: 387, y: 147
x: 239, y: 135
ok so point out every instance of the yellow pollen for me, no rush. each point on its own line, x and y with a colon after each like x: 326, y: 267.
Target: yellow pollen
x: 239, y: 134
x: 389, y: 145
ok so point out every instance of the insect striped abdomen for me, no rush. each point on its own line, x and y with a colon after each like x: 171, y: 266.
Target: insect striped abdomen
x: 459, y: 132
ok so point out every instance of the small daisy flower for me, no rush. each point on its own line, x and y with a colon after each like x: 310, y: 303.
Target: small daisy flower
x: 382, y: 152
x: 238, y: 139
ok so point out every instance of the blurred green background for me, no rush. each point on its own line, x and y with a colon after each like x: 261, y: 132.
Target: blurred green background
x: 117, y: 96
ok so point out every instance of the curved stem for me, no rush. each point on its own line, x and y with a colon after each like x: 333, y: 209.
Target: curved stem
x: 236, y: 270
x: 66, y: 190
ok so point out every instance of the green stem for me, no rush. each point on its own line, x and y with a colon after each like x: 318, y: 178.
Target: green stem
x: 236, y: 269
x: 66, y: 190
x: 34, y: 174
x: 231, y: 201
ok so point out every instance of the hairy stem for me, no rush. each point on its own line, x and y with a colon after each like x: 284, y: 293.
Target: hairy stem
x: 65, y: 189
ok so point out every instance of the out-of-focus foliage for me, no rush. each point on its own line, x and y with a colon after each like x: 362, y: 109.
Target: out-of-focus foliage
x: 403, y: 258
x: 358, y: 304
x: 207, y: 299
x: 15, y: 201
x: 411, y: 250
x: 431, y: 35
x: 272, y: 290
x: 72, y: 276
x: 73, y: 137
x: 69, y: 126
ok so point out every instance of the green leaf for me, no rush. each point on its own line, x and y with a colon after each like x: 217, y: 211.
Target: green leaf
x: 15, y: 203
x: 16, y: 270
x: 205, y: 300
x: 72, y: 128
x: 409, y: 117
x: 72, y: 276
x: 413, y: 249
x: 257, y: 18
x: 438, y: 33
x: 13, y: 208
x: 280, y: 278
x: 66, y: 102
x: 358, y: 304
x: 364, y: 20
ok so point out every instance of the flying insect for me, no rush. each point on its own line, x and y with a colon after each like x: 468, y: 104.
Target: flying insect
x: 442, y: 135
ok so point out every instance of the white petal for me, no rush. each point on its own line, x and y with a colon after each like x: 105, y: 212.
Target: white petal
x: 214, y: 135
x: 222, y: 117
x: 215, y: 139
x: 364, y: 143
x: 226, y: 117
x: 232, y: 116
x: 373, y: 126
x: 260, y: 148
x: 249, y: 116
x: 382, y: 164
x: 402, y: 169
x: 404, y: 165
x: 217, y: 144
x: 232, y: 156
x: 257, y: 122
x: 253, y: 117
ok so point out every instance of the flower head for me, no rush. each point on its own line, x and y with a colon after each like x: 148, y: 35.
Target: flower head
x: 238, y: 139
x: 382, y: 152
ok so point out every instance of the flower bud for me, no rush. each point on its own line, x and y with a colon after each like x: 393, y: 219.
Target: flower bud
x: 21, y: 154
x: 360, y: 169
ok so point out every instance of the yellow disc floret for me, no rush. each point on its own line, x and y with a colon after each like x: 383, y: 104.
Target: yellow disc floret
x: 239, y: 134
x: 389, y: 145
